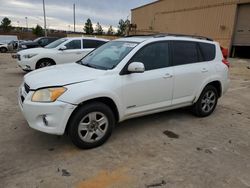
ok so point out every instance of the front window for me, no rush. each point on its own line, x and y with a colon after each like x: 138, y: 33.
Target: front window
x: 108, y: 55
x: 56, y: 43
x: 73, y: 45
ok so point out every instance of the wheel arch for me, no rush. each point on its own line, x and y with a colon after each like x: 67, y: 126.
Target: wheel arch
x: 106, y: 100
x: 216, y: 83
x: 45, y: 58
x: 3, y: 47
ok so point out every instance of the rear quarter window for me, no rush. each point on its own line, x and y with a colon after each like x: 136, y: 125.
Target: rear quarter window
x: 92, y: 43
x: 208, y: 51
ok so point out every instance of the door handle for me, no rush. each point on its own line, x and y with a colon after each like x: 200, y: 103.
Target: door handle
x: 204, y: 70
x: 78, y: 53
x: 167, y: 76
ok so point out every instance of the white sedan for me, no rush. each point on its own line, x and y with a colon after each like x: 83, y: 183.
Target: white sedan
x: 65, y: 50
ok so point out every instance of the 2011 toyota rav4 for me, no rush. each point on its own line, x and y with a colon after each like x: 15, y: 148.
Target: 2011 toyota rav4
x: 123, y: 79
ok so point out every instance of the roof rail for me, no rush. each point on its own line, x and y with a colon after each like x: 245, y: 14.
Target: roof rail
x: 172, y: 34
x: 182, y: 35
x: 149, y: 35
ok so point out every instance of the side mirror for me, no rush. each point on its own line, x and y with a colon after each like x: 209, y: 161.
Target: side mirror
x: 136, y: 67
x: 63, y: 48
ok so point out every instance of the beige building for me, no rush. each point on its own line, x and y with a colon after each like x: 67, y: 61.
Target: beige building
x: 226, y: 21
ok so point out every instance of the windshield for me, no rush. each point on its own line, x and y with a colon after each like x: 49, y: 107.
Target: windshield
x: 55, y: 43
x: 108, y: 55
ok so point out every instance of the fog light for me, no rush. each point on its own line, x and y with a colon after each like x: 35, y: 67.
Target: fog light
x: 45, y: 121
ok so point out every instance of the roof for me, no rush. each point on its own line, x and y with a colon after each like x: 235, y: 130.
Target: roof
x: 93, y: 38
x: 142, y: 38
x: 146, y: 5
x: 137, y: 39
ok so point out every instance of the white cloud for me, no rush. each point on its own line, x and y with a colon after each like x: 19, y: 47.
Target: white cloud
x: 60, y: 13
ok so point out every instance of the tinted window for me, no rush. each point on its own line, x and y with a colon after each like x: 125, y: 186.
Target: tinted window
x: 208, y: 51
x: 87, y: 43
x: 43, y: 42
x: 153, y: 56
x: 74, y: 44
x: 185, y: 52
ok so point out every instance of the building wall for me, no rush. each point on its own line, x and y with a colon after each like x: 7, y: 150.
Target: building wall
x: 211, y: 18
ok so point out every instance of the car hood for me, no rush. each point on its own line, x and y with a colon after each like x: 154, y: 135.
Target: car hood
x: 60, y: 75
x: 35, y: 51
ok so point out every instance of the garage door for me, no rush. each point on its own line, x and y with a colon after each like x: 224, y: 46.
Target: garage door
x: 242, y: 32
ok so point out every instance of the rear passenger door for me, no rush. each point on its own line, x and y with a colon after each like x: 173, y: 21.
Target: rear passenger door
x: 90, y: 44
x: 190, y: 70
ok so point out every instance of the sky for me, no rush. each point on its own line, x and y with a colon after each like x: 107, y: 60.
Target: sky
x: 59, y: 13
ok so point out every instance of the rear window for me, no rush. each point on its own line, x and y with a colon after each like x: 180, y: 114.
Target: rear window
x: 185, y: 52
x: 87, y: 43
x: 208, y: 51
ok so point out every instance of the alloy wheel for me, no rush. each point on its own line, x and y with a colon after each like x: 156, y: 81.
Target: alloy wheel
x: 93, y: 127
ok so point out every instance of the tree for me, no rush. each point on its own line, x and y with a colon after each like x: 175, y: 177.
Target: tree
x: 88, y: 28
x: 38, y: 31
x: 110, y: 31
x: 98, y: 29
x: 122, y: 26
x: 6, y: 24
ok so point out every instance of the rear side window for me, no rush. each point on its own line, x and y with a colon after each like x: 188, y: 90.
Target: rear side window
x: 208, y: 51
x: 153, y: 56
x: 185, y: 52
x: 92, y: 43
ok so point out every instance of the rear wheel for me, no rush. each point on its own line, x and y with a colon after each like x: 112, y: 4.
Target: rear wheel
x: 44, y: 63
x: 3, y: 50
x: 207, y: 102
x: 91, y: 125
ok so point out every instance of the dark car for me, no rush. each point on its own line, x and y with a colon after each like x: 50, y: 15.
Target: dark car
x: 39, y: 42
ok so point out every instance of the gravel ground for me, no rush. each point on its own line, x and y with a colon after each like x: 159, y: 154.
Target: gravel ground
x: 170, y: 149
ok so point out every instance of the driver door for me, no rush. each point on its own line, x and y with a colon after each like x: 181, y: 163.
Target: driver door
x: 72, y: 53
x: 152, y: 89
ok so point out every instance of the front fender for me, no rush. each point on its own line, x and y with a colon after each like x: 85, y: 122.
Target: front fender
x: 81, y: 92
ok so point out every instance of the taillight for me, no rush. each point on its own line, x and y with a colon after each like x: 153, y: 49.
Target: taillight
x: 225, y: 56
x: 226, y: 62
x: 224, y: 52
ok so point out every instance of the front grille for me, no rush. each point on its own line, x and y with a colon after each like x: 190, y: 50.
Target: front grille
x: 18, y: 57
x: 26, y: 88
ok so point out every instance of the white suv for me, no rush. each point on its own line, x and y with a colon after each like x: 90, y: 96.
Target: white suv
x: 123, y: 79
x: 65, y: 50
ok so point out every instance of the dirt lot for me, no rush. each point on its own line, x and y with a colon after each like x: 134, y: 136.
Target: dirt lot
x: 170, y: 149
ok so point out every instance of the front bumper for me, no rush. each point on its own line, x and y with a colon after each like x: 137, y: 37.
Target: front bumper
x: 25, y: 64
x: 50, y: 118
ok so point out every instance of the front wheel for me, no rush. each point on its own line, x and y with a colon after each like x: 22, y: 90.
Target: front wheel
x: 91, y: 125
x: 207, y: 102
x: 3, y: 50
x: 44, y: 63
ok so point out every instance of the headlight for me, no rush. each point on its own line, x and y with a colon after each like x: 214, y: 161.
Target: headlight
x: 28, y: 56
x: 23, y: 46
x: 48, y: 94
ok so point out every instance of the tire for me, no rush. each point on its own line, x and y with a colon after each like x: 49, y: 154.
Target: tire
x: 91, y: 125
x: 3, y: 50
x: 207, y: 102
x: 44, y: 63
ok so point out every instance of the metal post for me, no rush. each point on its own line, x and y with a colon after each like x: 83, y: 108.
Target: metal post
x: 44, y: 15
x: 74, y: 15
x: 26, y: 18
